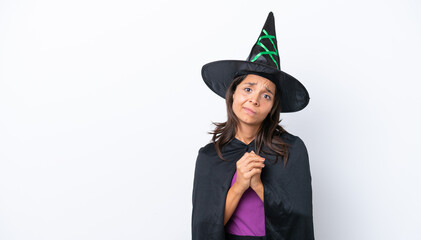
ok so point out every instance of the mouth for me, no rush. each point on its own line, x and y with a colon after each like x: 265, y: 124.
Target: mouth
x: 249, y: 111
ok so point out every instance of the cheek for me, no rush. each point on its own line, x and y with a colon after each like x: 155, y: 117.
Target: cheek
x: 236, y: 103
x: 239, y: 99
x: 268, y: 107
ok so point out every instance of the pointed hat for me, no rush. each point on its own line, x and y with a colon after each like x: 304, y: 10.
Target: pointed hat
x: 263, y: 60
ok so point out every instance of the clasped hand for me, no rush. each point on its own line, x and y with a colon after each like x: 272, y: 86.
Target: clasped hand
x: 249, y: 168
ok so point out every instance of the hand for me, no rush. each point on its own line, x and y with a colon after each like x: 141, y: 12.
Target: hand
x: 248, y: 165
x: 255, y: 181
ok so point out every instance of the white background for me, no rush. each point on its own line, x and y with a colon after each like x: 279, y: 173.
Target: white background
x: 103, y: 110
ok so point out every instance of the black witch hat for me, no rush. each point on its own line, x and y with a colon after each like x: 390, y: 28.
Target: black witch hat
x: 263, y: 61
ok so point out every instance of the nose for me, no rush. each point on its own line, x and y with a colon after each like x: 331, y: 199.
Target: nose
x: 254, y: 100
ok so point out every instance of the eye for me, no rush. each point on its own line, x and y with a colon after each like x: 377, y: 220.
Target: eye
x: 268, y: 97
x: 246, y: 89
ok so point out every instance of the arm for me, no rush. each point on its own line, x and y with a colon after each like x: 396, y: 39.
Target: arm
x: 233, y: 197
x: 260, y: 190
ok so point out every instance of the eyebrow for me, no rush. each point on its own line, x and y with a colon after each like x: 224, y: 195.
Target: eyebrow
x: 253, y: 83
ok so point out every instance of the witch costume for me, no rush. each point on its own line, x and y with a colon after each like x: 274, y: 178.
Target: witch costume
x: 286, y: 212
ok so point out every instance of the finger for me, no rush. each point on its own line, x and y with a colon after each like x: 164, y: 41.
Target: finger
x: 251, y: 158
x: 252, y: 172
x: 255, y: 164
x: 252, y: 153
x: 243, y: 160
x: 244, y: 157
x: 259, y: 164
x: 245, y: 169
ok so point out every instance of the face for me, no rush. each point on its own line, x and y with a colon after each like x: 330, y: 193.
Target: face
x: 253, y: 99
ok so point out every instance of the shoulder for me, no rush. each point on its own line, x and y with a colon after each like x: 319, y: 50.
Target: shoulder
x: 293, y: 140
x: 298, y: 154
x: 297, y: 149
x: 207, y: 149
x: 206, y: 157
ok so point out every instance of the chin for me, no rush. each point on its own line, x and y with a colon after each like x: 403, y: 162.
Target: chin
x: 249, y: 120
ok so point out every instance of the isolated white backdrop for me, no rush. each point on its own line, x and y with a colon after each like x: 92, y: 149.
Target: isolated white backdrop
x: 103, y: 110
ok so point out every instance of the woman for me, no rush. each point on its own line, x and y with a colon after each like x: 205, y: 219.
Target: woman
x: 241, y: 188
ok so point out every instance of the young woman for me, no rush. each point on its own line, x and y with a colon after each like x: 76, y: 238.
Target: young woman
x: 253, y: 181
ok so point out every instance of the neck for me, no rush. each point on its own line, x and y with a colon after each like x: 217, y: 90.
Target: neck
x: 246, y: 134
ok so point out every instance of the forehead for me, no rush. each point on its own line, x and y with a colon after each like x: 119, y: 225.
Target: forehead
x: 252, y: 79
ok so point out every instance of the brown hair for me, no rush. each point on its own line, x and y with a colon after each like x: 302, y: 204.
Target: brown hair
x: 268, y: 133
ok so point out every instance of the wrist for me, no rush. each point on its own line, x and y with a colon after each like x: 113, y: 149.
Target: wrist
x: 257, y: 186
x: 237, y: 189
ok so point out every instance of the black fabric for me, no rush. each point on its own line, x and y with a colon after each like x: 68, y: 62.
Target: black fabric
x: 229, y: 236
x: 287, y: 191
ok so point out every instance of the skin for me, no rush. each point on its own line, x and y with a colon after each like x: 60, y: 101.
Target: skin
x: 259, y: 97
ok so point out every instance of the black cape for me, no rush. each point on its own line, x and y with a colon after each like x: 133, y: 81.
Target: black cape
x: 287, y: 191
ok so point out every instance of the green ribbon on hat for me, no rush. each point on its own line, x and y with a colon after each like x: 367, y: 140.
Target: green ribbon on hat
x: 267, y: 51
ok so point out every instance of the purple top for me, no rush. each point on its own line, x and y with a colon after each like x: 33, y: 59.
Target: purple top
x: 248, y: 218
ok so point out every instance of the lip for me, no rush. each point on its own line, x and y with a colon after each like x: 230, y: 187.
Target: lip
x: 248, y: 110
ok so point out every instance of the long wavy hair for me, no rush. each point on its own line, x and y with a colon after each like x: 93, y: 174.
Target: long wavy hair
x: 268, y: 134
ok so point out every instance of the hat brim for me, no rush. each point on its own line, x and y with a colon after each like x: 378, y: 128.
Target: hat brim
x: 218, y: 76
